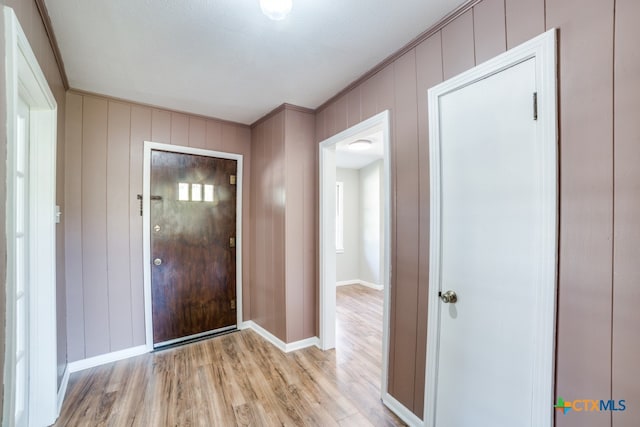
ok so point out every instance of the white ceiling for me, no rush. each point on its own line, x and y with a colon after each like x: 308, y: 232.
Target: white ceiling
x: 224, y: 58
x: 349, y: 159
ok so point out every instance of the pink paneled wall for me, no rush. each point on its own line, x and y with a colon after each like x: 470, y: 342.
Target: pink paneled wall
x: 104, y: 159
x: 301, y: 169
x: 283, y: 285
x: 267, y: 226
x: 599, y: 81
x: 100, y: 295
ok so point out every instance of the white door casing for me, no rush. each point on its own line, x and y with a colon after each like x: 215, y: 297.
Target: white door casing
x: 490, y: 356
x: 25, y: 80
x: 146, y: 224
x: 327, y: 243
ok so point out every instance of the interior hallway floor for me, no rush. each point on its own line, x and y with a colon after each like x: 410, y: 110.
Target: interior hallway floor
x: 241, y: 379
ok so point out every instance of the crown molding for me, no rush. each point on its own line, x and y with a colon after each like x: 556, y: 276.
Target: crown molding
x: 48, y: 27
x: 280, y: 108
x: 406, y: 48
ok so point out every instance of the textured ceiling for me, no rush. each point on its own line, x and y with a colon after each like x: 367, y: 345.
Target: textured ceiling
x: 224, y: 58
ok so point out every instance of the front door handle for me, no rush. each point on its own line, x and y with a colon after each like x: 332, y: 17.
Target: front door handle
x: 448, y: 297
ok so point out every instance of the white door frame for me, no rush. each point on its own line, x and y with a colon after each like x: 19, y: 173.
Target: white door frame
x: 25, y: 79
x: 543, y: 49
x: 328, y: 232
x: 146, y: 224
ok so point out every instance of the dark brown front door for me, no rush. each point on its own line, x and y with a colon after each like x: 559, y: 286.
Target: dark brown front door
x: 193, y: 256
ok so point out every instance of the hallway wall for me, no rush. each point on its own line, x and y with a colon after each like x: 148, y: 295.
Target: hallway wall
x: 599, y: 106
x: 283, y: 271
x: 104, y: 159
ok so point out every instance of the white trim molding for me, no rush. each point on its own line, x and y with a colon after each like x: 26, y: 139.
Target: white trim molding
x: 327, y: 217
x: 543, y: 49
x: 92, y: 362
x: 62, y: 390
x: 401, y: 411
x: 25, y: 80
x: 146, y: 224
x: 360, y: 282
x: 281, y: 345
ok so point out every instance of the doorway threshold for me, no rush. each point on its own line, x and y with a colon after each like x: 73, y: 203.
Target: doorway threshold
x: 194, y: 338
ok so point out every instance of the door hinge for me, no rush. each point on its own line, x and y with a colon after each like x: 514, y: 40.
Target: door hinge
x: 232, y: 242
x: 232, y: 180
x: 233, y: 304
x: 535, y: 105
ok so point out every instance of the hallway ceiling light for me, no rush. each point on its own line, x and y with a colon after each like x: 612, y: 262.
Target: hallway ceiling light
x: 276, y: 9
x: 360, y: 145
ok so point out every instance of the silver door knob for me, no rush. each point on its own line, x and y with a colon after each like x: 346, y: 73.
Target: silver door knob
x: 449, y: 297
x: 157, y: 261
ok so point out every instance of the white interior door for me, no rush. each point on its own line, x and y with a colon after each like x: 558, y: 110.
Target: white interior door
x: 493, y: 252
x: 21, y: 212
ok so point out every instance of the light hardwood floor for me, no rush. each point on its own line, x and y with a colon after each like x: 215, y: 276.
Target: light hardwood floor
x: 241, y: 379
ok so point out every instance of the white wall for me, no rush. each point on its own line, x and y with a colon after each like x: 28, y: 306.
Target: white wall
x: 348, y: 262
x: 371, y: 223
x: 363, y: 225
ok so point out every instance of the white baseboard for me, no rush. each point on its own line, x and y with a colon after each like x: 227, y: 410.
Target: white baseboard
x: 401, y: 411
x: 92, y: 362
x: 63, y: 388
x: 360, y: 282
x: 284, y: 347
x: 348, y: 282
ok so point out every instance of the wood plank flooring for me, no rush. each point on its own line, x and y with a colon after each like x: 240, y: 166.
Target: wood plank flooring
x: 242, y: 380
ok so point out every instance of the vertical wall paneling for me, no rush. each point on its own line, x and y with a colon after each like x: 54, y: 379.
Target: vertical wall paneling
x: 104, y: 247
x: 320, y: 133
x: 586, y: 156
x: 489, y: 29
x: 118, y: 257
x: 385, y: 91
x: 586, y: 202
x: 331, y: 120
x: 626, y: 296
x: 278, y: 200
x: 257, y: 151
x: 197, y: 132
x: 368, y: 97
x: 300, y: 220
x: 229, y: 143
x: 94, y: 229
x: 283, y: 286
x: 213, y: 135
x: 525, y: 20
x: 179, y: 129
x: 429, y: 73
x: 294, y: 226
x: 407, y: 194
x: 310, y: 247
x: 341, y: 114
x: 161, y: 126
x: 244, y: 147
x: 458, y: 45
x: 73, y: 238
x: 140, y: 132
x: 353, y: 107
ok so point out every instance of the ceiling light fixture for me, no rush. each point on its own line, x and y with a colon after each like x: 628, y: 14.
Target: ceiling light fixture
x: 276, y: 9
x: 360, y: 145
